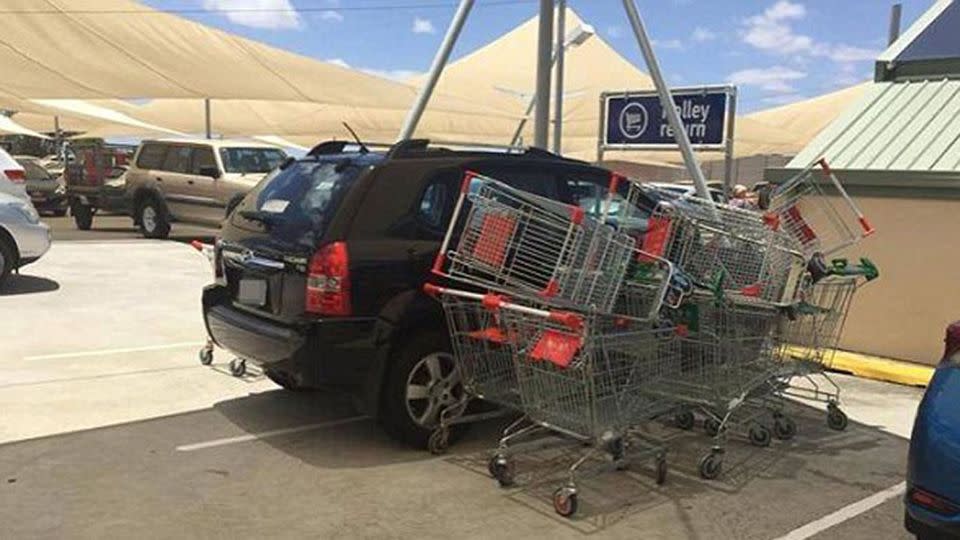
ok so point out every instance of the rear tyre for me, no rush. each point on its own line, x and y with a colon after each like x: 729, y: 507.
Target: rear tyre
x: 7, y: 261
x: 82, y: 216
x: 153, y: 220
x: 422, y: 382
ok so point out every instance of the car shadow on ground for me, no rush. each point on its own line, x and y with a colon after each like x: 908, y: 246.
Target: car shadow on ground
x: 19, y: 284
x: 607, y: 497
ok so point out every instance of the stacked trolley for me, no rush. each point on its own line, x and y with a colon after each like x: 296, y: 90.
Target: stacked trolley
x: 561, y: 325
x: 592, y: 330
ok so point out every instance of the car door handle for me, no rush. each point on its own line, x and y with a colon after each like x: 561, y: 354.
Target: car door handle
x: 159, y: 179
x: 190, y: 182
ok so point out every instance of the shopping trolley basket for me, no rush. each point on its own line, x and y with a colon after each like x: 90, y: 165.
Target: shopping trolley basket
x: 587, y: 377
x: 810, y: 338
x: 728, y: 373
x: 726, y: 248
x: 522, y: 244
x: 815, y: 209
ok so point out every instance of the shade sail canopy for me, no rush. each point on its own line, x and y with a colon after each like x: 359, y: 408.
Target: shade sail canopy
x: 96, y: 49
x: 8, y: 126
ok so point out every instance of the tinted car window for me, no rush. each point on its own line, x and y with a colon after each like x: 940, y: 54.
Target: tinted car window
x: 296, y: 203
x: 34, y: 171
x: 433, y: 205
x: 251, y: 160
x: 151, y: 156
x: 591, y: 192
x: 202, y: 159
x: 178, y: 159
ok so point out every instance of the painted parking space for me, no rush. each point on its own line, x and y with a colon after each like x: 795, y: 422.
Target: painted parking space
x: 210, y: 473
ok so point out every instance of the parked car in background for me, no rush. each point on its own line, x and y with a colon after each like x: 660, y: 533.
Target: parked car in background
x: 933, y: 465
x: 48, y: 193
x: 23, y: 239
x: 12, y: 176
x: 95, y: 179
x: 194, y: 181
x: 320, y: 268
x: 687, y: 189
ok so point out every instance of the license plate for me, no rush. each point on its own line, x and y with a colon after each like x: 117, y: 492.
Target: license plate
x: 252, y: 292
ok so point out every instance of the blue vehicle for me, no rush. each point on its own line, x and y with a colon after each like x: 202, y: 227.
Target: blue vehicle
x: 933, y: 468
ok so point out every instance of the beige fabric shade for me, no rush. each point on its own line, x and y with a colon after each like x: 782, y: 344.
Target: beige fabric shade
x: 96, y: 49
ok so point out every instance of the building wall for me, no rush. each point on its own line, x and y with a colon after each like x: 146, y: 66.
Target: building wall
x: 903, y: 313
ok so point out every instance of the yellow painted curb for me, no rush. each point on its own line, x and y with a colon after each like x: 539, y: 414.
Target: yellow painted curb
x: 882, y: 369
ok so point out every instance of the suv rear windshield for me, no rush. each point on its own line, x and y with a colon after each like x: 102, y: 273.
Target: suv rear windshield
x: 251, y: 160
x: 299, y: 200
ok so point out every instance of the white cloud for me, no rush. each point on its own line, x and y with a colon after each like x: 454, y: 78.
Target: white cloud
x: 271, y: 14
x: 775, y: 79
x: 615, y: 32
x: 423, y: 26
x: 338, y: 62
x: 330, y: 15
x: 848, y: 53
x: 668, y: 44
x: 701, y: 34
x: 771, y: 30
x: 392, y: 74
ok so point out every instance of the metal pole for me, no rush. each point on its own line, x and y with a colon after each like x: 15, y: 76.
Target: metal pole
x: 601, y: 128
x: 558, y: 92
x: 206, y: 116
x: 523, y: 122
x: 728, y: 152
x: 896, y: 11
x: 439, y: 62
x: 541, y: 117
x: 666, y: 100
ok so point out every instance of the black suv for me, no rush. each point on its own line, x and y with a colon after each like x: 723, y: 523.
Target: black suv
x: 320, y: 269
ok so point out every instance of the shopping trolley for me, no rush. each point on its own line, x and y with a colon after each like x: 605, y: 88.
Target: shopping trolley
x: 814, y: 209
x: 724, y: 248
x: 590, y: 378
x: 522, y: 244
x: 728, y: 374
x: 810, y: 338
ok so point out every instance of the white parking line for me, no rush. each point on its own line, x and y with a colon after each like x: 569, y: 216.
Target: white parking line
x: 267, y: 434
x: 115, y: 351
x: 845, y: 513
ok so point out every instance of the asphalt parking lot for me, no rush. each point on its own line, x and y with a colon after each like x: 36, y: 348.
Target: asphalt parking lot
x: 112, y: 428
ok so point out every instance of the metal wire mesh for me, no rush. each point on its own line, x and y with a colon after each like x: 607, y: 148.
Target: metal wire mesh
x: 813, y: 333
x: 526, y: 245
x: 593, y: 381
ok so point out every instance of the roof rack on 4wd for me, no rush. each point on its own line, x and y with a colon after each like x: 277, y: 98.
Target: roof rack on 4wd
x: 418, y: 147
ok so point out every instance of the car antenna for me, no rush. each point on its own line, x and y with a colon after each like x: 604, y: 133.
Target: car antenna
x: 363, y: 147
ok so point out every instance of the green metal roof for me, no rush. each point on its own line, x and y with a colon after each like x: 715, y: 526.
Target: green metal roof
x: 910, y: 126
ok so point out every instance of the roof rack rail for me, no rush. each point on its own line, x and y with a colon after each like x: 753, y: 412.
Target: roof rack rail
x: 411, y: 147
x: 339, y: 147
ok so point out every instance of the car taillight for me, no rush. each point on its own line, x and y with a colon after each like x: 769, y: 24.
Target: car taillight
x: 16, y: 176
x: 328, y: 281
x: 932, y: 501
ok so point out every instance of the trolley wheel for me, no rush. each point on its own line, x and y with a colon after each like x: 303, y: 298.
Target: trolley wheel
x: 439, y: 441
x: 238, y: 367
x: 206, y: 356
x: 661, y: 477
x: 684, y: 420
x: 711, y: 426
x: 565, y: 501
x: 711, y: 465
x: 836, y: 419
x: 502, y: 470
x: 760, y: 435
x: 784, y: 428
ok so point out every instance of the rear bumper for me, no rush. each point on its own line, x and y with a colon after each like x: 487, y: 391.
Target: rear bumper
x: 33, y: 240
x: 44, y: 201
x: 927, y: 524
x: 334, y: 352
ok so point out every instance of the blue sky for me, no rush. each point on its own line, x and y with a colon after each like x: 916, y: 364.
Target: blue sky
x: 776, y: 51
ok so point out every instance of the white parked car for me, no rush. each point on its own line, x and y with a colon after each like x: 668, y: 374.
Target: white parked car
x: 23, y: 239
x: 13, y: 179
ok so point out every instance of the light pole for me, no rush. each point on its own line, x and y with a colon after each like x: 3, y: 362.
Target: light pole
x: 574, y: 38
x: 541, y: 115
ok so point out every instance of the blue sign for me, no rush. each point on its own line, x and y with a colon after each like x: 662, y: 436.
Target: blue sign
x: 638, y: 120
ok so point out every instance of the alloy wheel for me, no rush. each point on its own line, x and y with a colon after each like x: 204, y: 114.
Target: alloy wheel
x: 434, y: 384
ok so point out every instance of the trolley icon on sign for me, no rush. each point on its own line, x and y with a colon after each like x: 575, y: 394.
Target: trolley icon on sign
x: 634, y: 120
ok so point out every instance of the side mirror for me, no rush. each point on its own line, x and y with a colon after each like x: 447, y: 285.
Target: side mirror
x: 212, y: 172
